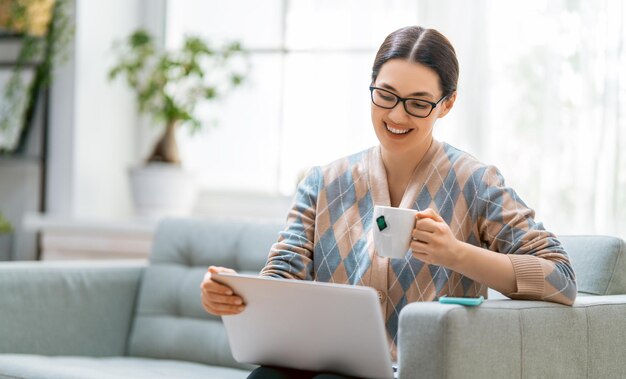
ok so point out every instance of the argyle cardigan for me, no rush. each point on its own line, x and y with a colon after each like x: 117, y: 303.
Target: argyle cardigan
x: 329, y: 238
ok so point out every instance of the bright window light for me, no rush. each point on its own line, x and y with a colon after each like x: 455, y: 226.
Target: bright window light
x: 542, y: 94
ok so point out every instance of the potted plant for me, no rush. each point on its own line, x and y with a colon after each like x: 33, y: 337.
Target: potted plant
x: 168, y: 86
x: 6, y: 234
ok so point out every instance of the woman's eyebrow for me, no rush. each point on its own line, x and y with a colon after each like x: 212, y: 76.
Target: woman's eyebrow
x: 389, y: 87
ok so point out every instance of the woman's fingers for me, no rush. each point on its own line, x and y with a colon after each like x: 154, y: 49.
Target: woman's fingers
x: 223, y: 299
x: 429, y: 213
x: 222, y: 309
x: 421, y: 249
x: 221, y: 305
x: 420, y: 246
x: 217, y: 288
x: 420, y: 235
x: 217, y: 298
x: 216, y: 269
x: 228, y: 308
x: 426, y: 225
x: 210, y: 285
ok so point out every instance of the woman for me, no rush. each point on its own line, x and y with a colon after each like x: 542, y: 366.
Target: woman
x: 471, y: 232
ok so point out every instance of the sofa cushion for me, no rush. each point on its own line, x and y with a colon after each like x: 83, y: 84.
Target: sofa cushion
x: 241, y: 245
x: 599, y: 263
x: 61, y: 308
x: 170, y: 322
x: 16, y: 366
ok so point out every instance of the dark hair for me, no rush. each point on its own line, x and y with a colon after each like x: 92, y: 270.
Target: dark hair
x: 425, y: 46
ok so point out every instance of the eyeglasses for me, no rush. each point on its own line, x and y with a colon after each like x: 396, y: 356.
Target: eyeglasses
x: 415, y: 107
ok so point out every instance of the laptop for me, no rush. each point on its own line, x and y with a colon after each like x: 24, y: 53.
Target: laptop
x: 309, y: 326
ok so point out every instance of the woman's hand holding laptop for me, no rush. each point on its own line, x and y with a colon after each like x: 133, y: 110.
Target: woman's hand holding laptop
x: 218, y: 299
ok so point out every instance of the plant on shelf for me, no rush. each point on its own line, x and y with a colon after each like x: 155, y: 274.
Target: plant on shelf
x: 43, y: 30
x: 169, y: 84
x: 6, y: 238
x: 5, y: 225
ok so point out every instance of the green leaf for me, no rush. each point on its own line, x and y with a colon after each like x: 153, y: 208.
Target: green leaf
x: 140, y: 39
x: 210, y: 92
x: 169, y: 84
x: 236, y: 79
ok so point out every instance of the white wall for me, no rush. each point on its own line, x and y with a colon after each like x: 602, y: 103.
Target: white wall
x: 93, y: 123
x: 60, y: 171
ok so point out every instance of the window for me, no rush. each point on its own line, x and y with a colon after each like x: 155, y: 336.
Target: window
x: 543, y: 100
x: 302, y: 52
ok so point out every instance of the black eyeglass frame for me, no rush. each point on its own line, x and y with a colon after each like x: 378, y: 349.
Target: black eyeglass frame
x: 404, y: 100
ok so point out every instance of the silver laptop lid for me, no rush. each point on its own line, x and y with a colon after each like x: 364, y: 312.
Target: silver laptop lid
x: 309, y: 326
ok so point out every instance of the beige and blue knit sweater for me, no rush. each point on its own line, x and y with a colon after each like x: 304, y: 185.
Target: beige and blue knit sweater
x: 328, y: 236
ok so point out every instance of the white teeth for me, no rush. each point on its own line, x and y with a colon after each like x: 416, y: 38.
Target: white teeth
x: 397, y: 131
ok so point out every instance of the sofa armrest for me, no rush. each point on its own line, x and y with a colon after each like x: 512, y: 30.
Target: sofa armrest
x: 513, y: 339
x: 67, y: 309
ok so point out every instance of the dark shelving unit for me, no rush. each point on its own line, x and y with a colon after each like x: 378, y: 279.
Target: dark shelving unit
x: 23, y: 171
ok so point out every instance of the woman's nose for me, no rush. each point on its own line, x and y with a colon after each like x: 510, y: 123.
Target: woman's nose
x: 398, y: 114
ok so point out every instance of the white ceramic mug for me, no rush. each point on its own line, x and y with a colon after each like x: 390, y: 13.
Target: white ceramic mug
x: 392, y: 230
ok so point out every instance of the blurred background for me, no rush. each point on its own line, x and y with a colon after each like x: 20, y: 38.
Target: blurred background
x: 542, y: 96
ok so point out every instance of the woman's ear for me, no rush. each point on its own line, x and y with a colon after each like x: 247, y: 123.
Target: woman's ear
x: 447, y: 105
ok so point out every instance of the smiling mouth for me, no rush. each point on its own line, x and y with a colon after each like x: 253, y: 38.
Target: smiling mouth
x: 397, y: 131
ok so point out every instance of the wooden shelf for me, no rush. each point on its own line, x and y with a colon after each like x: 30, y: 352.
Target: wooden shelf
x: 10, y: 51
x: 76, y: 239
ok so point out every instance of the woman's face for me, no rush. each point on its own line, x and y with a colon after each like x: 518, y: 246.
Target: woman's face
x: 398, y: 131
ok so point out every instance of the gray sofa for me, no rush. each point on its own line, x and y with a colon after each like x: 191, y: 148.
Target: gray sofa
x: 146, y: 321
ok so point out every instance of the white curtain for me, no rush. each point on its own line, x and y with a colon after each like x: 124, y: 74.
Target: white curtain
x: 542, y: 96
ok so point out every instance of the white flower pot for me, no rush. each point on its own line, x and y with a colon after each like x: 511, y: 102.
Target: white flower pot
x: 162, y: 190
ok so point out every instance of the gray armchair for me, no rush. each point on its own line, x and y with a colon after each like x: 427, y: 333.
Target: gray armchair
x: 528, y: 339
x: 146, y: 321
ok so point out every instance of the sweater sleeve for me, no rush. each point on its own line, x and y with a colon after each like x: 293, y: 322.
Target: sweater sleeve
x: 291, y: 257
x: 506, y: 225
